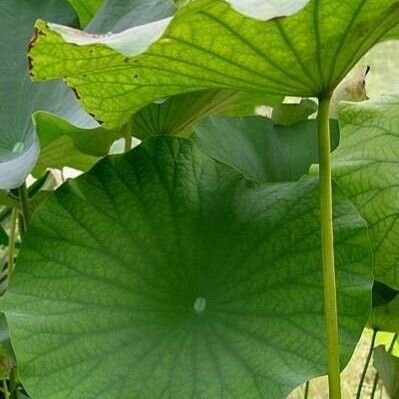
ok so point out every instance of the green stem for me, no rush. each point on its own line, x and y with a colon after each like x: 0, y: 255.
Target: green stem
x: 21, y: 227
x: 12, y: 240
x: 5, y: 390
x: 376, y: 378
x: 24, y: 199
x: 327, y: 238
x: 306, y: 394
x: 366, y: 364
x: 375, y: 385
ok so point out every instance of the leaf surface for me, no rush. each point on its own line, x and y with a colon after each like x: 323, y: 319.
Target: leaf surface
x: 304, y: 55
x: 386, y: 317
x: 289, y: 113
x: 366, y: 166
x: 86, y: 9
x: 206, y: 285
x: 261, y: 150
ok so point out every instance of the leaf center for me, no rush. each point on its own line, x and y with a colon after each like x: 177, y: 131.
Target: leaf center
x: 200, y: 305
x: 18, y: 148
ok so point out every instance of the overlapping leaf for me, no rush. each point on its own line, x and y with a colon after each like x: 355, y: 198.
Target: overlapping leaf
x: 261, y: 150
x: 64, y: 133
x: 209, y: 45
x: 19, y: 98
x: 206, y: 285
x: 118, y: 15
x: 65, y: 144
x: 179, y: 114
x: 366, y: 166
x: 386, y: 317
x: 86, y: 9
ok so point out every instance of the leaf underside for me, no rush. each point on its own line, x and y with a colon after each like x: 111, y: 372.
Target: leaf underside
x: 366, y: 166
x: 304, y: 55
x: 19, y: 98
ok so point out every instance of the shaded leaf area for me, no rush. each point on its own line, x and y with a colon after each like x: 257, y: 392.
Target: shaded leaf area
x: 86, y: 9
x: 261, y: 150
x: 7, y: 358
x: 366, y: 166
x: 207, y: 285
x: 289, y: 113
x: 304, y: 55
x: 118, y: 15
x: 37, y: 193
x: 382, y: 294
x: 19, y: 98
x: 179, y: 114
x: 388, y: 368
x: 386, y: 317
x: 63, y: 144
x: 3, y: 237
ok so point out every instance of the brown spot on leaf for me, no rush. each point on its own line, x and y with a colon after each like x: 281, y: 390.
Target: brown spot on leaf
x: 76, y: 93
x: 98, y: 120
x: 30, y: 65
x: 33, y: 39
x: 36, y: 33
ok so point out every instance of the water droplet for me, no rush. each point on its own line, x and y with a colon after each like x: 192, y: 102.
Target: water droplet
x: 18, y: 147
x: 200, y: 305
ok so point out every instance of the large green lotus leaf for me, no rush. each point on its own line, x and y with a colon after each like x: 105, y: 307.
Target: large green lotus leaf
x: 260, y: 149
x: 366, y: 166
x: 19, y: 98
x: 163, y: 273
x: 210, y: 45
x: 179, y: 114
